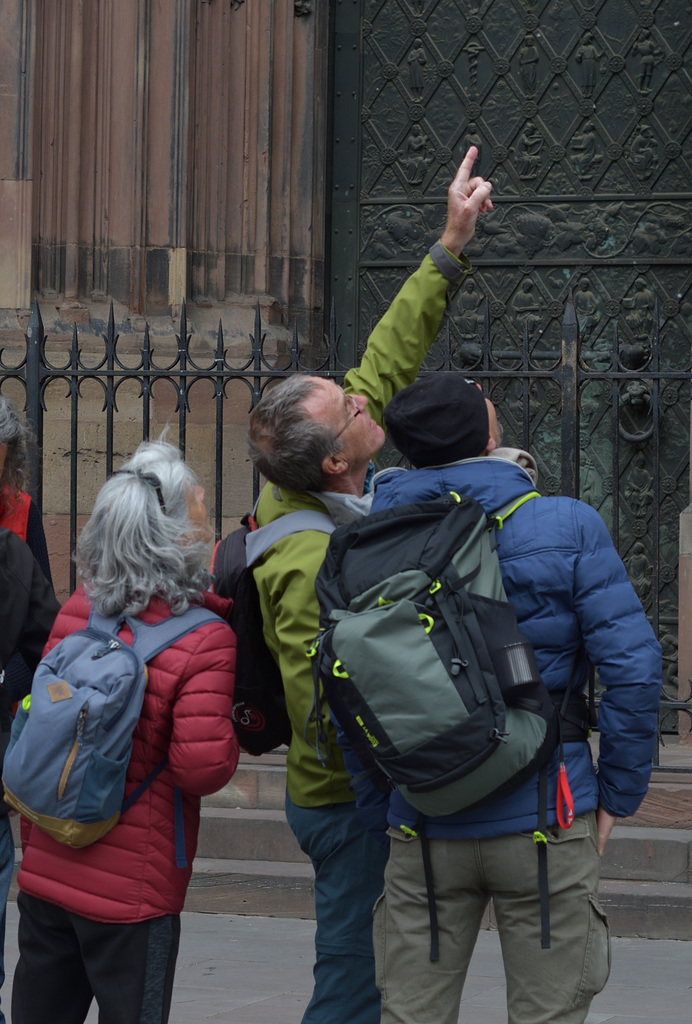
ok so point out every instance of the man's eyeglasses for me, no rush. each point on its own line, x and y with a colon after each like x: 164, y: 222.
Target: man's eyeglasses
x: 353, y: 410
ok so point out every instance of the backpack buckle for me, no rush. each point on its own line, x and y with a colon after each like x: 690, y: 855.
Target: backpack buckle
x: 501, y: 737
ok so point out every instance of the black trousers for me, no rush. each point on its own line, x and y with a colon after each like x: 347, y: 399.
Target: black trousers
x: 66, y: 960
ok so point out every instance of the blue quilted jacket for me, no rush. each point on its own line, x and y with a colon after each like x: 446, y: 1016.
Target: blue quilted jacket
x: 573, y: 599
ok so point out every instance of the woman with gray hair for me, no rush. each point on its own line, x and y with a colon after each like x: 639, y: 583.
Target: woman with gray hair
x: 103, y: 921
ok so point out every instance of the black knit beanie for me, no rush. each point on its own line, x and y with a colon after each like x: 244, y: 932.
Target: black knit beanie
x: 441, y: 418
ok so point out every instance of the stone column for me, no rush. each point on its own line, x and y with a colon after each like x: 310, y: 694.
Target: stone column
x: 179, y: 149
x: 297, y: 198
x: 111, y: 151
x: 258, y: 100
x: 16, y: 61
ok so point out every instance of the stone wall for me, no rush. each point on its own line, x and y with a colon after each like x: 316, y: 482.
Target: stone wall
x: 154, y: 152
x: 160, y: 151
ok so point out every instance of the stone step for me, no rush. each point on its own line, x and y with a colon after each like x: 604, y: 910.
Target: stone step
x: 249, y: 863
x: 258, y: 782
x: 231, y: 833
x: 636, y: 909
x: 254, y: 888
x: 644, y: 854
x: 649, y: 910
x: 648, y: 854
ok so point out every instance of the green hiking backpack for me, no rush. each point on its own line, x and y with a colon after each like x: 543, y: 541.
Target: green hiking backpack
x: 422, y: 661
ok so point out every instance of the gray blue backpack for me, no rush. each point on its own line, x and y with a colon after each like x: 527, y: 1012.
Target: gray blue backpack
x: 71, y: 741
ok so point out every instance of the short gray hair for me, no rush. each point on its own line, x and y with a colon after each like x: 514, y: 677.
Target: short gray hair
x: 139, y: 542
x: 21, y: 448
x: 286, y: 445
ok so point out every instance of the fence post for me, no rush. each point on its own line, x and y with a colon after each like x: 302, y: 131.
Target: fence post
x: 219, y: 396
x: 569, y: 483
x: 183, y: 343
x: 257, y: 343
x: 35, y: 336
x: 685, y: 614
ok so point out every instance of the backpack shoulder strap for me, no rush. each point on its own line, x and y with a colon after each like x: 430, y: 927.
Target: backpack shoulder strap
x: 228, y: 561
x: 105, y: 623
x: 505, y: 511
x: 260, y: 540
x: 152, y: 638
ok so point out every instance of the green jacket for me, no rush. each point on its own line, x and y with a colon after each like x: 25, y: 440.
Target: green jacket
x: 285, y: 575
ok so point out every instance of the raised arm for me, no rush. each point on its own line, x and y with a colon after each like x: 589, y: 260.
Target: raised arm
x: 400, y: 341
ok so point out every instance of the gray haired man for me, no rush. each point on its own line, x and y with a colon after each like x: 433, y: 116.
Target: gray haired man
x: 314, y: 441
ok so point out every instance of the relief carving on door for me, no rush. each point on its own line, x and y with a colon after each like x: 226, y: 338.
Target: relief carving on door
x: 582, y: 113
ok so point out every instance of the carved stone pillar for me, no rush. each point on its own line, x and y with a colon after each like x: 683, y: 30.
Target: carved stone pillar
x: 258, y: 141
x: 178, y: 151
x: 16, y: 60
x: 111, y: 149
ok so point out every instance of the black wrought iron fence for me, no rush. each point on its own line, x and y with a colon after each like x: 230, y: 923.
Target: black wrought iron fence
x: 113, y: 362
x: 608, y: 423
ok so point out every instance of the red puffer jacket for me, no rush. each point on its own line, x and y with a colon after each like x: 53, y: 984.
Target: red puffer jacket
x: 131, y: 875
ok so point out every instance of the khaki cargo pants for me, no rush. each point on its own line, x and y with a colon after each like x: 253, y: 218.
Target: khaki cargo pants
x: 544, y: 986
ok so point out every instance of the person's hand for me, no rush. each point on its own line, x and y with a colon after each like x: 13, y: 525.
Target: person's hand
x: 466, y: 198
x: 604, y: 826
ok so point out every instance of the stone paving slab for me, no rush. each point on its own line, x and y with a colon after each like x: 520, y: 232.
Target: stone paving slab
x: 257, y: 970
x: 270, y: 895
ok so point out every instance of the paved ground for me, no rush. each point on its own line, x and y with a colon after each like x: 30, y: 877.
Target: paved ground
x: 257, y: 970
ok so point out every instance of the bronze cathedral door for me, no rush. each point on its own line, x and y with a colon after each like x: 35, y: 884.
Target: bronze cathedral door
x: 578, y: 314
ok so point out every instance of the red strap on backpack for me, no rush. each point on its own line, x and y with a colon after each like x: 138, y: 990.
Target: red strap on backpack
x: 565, y: 803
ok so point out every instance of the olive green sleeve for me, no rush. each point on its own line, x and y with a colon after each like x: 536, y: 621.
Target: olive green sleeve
x: 400, y: 341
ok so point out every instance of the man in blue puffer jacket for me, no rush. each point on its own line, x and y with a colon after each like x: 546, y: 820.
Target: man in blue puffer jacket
x: 575, y: 603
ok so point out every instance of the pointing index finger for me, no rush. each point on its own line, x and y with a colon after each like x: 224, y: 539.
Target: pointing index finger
x: 466, y: 165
